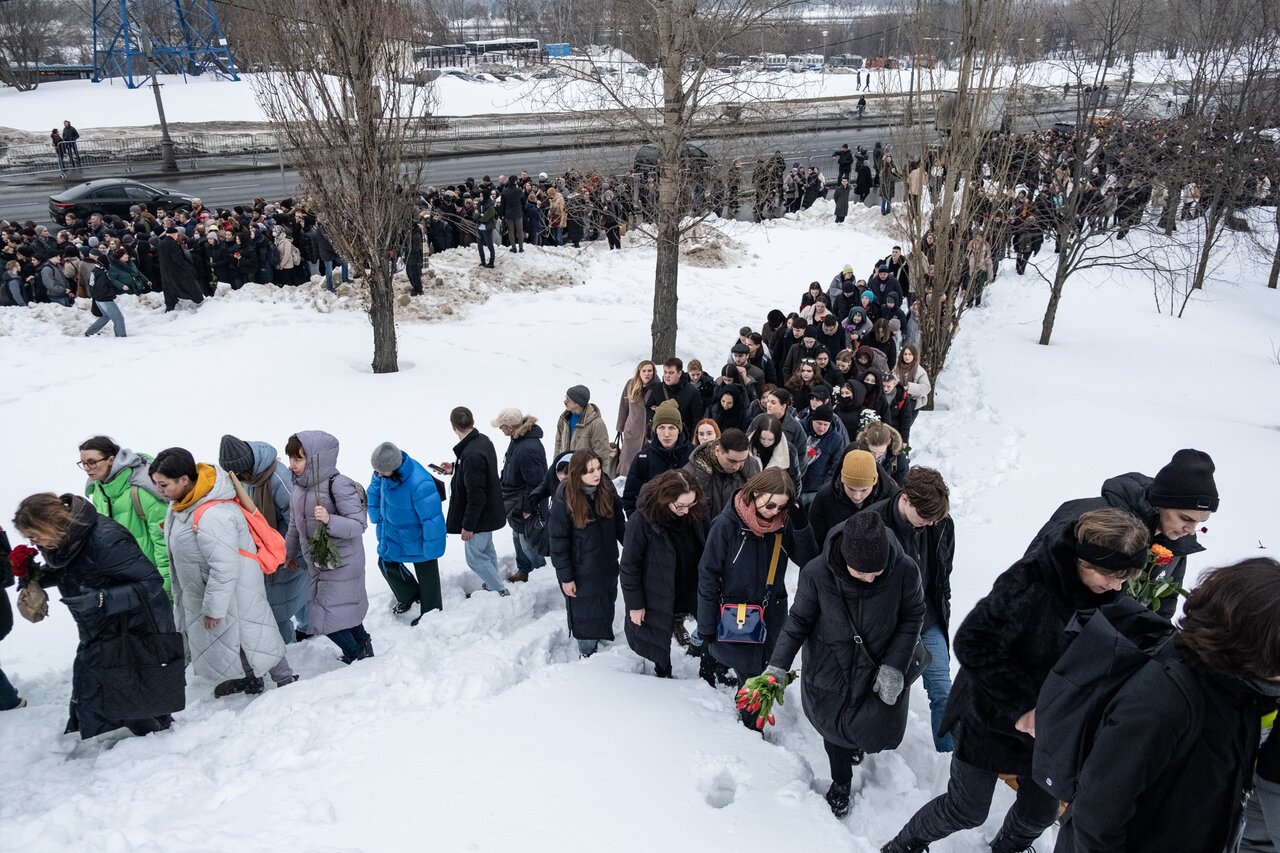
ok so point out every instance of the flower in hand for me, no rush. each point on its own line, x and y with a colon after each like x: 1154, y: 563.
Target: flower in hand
x: 759, y: 694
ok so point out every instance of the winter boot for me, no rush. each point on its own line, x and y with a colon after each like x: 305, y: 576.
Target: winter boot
x: 518, y: 577
x: 858, y: 757
x: 662, y: 671
x: 899, y: 846
x: 300, y: 636
x: 838, y: 799
x: 1000, y: 844
x: 366, y: 651
x: 402, y: 606
x: 681, y: 632
x: 286, y: 682
x: 247, y: 684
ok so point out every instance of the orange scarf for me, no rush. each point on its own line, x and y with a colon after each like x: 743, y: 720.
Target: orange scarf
x: 206, y: 475
x: 759, y: 526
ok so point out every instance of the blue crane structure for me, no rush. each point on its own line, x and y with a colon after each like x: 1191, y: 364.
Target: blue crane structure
x: 133, y: 39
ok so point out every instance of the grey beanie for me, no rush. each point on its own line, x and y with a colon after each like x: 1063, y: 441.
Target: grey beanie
x: 579, y: 394
x: 235, y: 455
x: 387, y: 457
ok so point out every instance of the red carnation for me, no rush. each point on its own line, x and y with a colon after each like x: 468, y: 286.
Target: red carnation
x: 20, y: 559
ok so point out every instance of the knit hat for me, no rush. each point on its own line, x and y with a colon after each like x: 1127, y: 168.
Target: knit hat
x: 564, y: 460
x: 579, y: 394
x: 869, y: 295
x: 668, y: 413
x: 859, y: 470
x: 864, y: 546
x: 386, y: 457
x: 1185, y: 483
x: 235, y: 455
x: 510, y: 416
x: 822, y: 413
x: 847, y: 269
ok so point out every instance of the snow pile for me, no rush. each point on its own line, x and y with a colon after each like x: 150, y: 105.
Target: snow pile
x: 480, y: 728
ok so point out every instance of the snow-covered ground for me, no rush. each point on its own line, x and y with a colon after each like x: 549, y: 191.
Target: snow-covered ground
x: 480, y: 729
x: 199, y: 100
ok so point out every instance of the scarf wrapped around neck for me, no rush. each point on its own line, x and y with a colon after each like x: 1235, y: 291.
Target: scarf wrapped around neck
x: 746, y: 510
x: 260, y: 490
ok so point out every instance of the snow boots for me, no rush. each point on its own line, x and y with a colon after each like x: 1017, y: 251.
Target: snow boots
x: 896, y: 846
x: 838, y: 799
x: 247, y: 684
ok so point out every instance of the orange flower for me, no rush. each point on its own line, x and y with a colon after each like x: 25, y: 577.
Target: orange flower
x: 1160, y: 555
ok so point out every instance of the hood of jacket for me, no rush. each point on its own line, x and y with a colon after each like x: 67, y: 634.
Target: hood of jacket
x: 83, y: 519
x: 322, y: 458
x: 1129, y: 491
x: 704, y: 458
x: 132, y: 469
x: 265, y: 456
x: 528, y: 429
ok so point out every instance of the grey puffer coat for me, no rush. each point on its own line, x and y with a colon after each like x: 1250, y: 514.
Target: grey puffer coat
x: 214, y: 574
x: 338, y: 597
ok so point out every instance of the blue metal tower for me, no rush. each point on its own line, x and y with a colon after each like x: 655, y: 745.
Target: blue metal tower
x: 184, y: 38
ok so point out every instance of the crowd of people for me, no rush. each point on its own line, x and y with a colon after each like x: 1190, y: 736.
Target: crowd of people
x: 793, y: 449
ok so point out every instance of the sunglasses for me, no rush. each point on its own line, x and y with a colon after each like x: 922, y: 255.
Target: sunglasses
x: 771, y: 505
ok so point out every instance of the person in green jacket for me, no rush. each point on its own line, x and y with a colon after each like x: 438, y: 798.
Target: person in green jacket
x: 121, y: 489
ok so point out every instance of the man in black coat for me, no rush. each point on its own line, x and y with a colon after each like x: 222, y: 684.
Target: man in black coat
x: 1181, y: 497
x: 858, y: 483
x: 668, y: 449
x: 920, y: 517
x: 676, y: 386
x: 512, y: 201
x: 475, y: 498
x: 177, y: 271
x: 844, y: 162
x: 523, y: 469
x: 1006, y: 647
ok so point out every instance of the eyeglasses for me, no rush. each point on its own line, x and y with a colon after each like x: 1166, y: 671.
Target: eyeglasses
x: 91, y: 463
x: 689, y: 505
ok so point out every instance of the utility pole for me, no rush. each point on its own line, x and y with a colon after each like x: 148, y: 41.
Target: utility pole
x: 169, y: 163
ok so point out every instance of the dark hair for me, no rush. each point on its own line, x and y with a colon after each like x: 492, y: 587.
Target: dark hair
x: 928, y: 493
x: 773, y: 425
x: 674, y: 362
x: 1231, y: 621
x: 461, y: 418
x: 581, y: 510
x: 102, y: 444
x: 172, y: 463
x: 756, y: 338
x: 882, y: 331
x: 665, y: 489
x: 782, y: 395
x: 744, y: 331
x: 734, y: 441
x: 799, y: 323
x: 293, y: 448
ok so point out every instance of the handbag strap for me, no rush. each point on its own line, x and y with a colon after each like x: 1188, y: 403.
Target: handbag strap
x: 857, y: 635
x: 773, y: 568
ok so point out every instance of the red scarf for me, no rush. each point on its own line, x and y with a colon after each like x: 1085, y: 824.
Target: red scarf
x: 759, y: 526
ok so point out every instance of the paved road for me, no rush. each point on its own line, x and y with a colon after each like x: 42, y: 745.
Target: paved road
x: 31, y: 201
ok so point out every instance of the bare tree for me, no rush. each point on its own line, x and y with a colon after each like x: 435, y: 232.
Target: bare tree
x: 28, y: 32
x: 349, y: 108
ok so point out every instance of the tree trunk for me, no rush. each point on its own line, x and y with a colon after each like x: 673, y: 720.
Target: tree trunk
x: 670, y: 140
x: 1212, y: 219
x: 1055, y: 291
x: 1275, y: 264
x: 382, y: 316
x: 666, y: 272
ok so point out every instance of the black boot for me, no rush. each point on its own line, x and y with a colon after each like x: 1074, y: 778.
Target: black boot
x: 681, y: 632
x: 402, y: 606
x: 858, y: 757
x: 662, y: 671
x: 366, y: 649
x: 1000, y: 844
x: 838, y: 799
x: 248, y: 684
x: 899, y: 846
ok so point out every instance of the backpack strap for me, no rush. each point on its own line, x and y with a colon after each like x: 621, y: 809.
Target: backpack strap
x: 195, y: 516
x: 137, y: 504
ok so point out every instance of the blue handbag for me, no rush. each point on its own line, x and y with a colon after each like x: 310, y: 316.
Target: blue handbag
x: 744, y: 623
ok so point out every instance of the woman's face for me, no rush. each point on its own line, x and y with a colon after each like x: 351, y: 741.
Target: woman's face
x: 766, y: 438
x: 1098, y: 582
x: 591, y: 477
x: 908, y: 357
x: 695, y: 375
x: 41, y: 542
x: 705, y: 434
x: 767, y: 506
x: 806, y: 372
x: 171, y: 490
x: 646, y: 374
x: 681, y: 505
x: 298, y: 464
x: 96, y: 464
x: 726, y: 401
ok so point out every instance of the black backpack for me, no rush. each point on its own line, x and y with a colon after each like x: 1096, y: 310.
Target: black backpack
x: 1111, y: 644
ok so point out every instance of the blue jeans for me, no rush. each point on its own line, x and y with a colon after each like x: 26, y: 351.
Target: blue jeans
x: 8, y: 696
x: 350, y: 640
x: 587, y: 648
x: 527, y: 559
x: 482, y: 559
x: 328, y: 272
x: 484, y: 239
x: 937, y: 683
x: 110, y: 314
x: 885, y: 203
x: 557, y: 236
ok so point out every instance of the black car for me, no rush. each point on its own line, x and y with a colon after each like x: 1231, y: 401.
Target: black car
x: 112, y: 195
x: 696, y: 161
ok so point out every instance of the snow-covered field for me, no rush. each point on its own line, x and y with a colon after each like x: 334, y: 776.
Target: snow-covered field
x: 198, y: 100
x: 480, y: 729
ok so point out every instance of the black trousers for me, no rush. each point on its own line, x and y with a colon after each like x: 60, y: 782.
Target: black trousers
x: 841, y: 759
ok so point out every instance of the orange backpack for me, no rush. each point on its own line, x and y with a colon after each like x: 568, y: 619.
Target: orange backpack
x: 270, y: 545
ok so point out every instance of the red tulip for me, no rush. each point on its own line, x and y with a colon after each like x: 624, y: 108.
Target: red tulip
x: 760, y: 724
x: 772, y: 722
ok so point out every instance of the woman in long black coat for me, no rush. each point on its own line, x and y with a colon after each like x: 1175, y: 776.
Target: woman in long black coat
x: 128, y: 670
x: 586, y: 527
x: 862, y: 586
x: 735, y: 567
x: 659, y: 572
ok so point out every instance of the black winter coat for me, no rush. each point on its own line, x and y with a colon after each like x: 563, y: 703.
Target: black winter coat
x: 652, y: 580
x: 832, y: 507
x: 838, y: 673
x: 940, y: 540
x: 687, y: 398
x: 475, y: 492
x: 1127, y: 491
x: 1154, y: 782
x: 6, y: 581
x: 733, y: 570
x: 523, y: 469
x: 649, y: 463
x: 178, y: 270
x: 735, y: 418
x: 1006, y: 647
x: 100, y: 556
x: 589, y: 558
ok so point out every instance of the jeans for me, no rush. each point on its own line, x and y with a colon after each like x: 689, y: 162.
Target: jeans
x: 937, y: 683
x: 841, y: 759
x: 527, y: 559
x: 587, y: 648
x: 328, y: 266
x: 557, y: 236
x: 110, y: 314
x: 73, y: 152
x: 482, y: 558
x: 885, y: 204
x: 968, y: 800
x: 425, y: 588
x: 350, y: 640
x: 485, y: 239
x: 8, y: 696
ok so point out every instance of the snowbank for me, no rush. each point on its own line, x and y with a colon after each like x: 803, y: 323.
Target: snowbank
x: 479, y: 729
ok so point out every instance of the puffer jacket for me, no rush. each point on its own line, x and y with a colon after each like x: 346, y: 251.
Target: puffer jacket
x: 589, y: 434
x: 214, y: 574
x: 114, y: 498
x: 407, y: 513
x: 338, y: 597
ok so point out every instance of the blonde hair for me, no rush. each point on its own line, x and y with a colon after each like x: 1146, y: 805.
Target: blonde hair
x: 1116, y: 529
x: 45, y: 515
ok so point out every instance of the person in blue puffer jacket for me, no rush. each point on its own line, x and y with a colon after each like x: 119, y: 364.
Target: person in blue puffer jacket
x: 405, y: 505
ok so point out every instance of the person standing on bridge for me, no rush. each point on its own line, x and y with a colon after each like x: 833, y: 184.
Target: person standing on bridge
x: 70, y: 138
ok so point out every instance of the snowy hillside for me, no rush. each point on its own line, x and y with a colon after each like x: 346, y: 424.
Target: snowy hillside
x: 479, y: 729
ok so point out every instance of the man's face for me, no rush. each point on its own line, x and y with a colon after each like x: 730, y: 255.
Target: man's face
x: 913, y: 517
x: 820, y: 427
x: 740, y: 359
x: 671, y: 374
x: 795, y: 331
x: 896, y: 254
x: 731, y: 461
x: 856, y: 495
x: 1176, y: 523
x: 667, y: 435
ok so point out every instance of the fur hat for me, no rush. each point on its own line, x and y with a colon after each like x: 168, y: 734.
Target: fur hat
x: 864, y: 546
x: 386, y: 457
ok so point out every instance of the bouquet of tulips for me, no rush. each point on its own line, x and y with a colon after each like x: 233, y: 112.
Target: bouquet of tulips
x: 759, y: 694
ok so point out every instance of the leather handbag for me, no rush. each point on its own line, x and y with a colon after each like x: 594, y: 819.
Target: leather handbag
x: 744, y: 623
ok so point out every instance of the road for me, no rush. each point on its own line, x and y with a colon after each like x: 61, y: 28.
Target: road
x: 31, y: 200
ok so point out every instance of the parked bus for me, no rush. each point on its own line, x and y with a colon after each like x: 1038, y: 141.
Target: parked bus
x: 480, y: 48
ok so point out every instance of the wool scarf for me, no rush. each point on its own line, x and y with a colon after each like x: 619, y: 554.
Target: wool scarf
x: 762, y: 527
